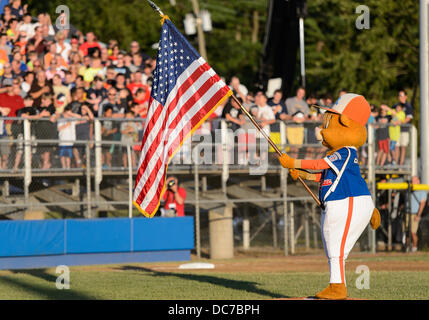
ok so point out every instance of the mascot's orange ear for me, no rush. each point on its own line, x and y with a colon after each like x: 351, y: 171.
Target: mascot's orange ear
x: 345, y: 121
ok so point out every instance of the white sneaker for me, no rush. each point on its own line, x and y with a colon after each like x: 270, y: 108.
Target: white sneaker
x: 413, y: 249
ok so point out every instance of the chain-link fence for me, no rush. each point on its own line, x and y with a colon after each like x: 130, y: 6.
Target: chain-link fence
x: 80, y: 168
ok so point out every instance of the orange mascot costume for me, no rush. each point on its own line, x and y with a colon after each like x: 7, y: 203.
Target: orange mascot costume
x: 347, y: 202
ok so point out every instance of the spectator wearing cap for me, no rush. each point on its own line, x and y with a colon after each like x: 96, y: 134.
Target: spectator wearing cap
x: 74, y: 48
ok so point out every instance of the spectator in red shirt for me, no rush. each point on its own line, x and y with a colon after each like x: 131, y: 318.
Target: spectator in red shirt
x: 137, y: 83
x: 174, y: 199
x: 12, y: 99
x: 90, y: 43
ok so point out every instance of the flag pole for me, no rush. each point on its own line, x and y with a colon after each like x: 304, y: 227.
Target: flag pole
x: 271, y: 142
x: 157, y: 9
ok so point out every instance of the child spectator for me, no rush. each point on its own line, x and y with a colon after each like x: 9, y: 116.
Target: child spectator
x: 382, y: 136
x: 66, y: 135
x: 398, y: 117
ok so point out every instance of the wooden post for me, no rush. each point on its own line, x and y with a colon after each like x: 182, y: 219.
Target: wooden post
x: 306, y: 229
x: 274, y: 222
x: 246, y: 228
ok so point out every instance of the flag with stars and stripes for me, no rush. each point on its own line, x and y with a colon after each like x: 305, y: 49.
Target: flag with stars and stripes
x: 185, y: 91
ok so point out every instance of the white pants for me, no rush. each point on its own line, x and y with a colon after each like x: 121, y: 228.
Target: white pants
x: 343, y: 221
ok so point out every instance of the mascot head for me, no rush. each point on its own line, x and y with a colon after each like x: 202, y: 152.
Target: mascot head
x: 344, y: 124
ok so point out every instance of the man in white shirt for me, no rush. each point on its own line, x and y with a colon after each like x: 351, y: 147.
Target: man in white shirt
x: 265, y: 113
x: 27, y: 26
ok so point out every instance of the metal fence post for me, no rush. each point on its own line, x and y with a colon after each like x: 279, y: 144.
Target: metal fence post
x: 283, y: 184
x: 306, y: 229
x: 246, y: 228
x: 371, y: 181
x: 225, y: 155
x: 98, y: 176
x: 414, y: 161
x: 292, y: 227
x: 314, y: 225
x: 197, y: 202
x: 88, y: 180
x: 130, y: 182
x: 27, y: 160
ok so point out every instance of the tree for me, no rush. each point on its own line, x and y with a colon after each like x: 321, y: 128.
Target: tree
x: 232, y: 49
x: 376, y: 62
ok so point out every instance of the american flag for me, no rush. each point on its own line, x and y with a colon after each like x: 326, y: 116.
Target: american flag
x: 185, y: 91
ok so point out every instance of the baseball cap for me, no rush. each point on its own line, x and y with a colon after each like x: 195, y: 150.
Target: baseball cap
x: 351, y: 105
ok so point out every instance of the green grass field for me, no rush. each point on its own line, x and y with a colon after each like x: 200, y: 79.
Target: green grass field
x: 165, y: 281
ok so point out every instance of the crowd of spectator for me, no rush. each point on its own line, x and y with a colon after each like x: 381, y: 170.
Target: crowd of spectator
x: 54, y: 75
x: 303, y: 121
x: 64, y: 79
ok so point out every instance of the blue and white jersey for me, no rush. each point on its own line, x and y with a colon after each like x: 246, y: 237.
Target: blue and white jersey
x: 343, y: 179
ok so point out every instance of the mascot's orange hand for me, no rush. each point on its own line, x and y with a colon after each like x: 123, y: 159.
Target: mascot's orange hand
x: 286, y: 161
x: 294, y: 174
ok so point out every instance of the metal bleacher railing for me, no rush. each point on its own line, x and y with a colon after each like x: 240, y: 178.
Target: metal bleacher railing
x: 35, y: 176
